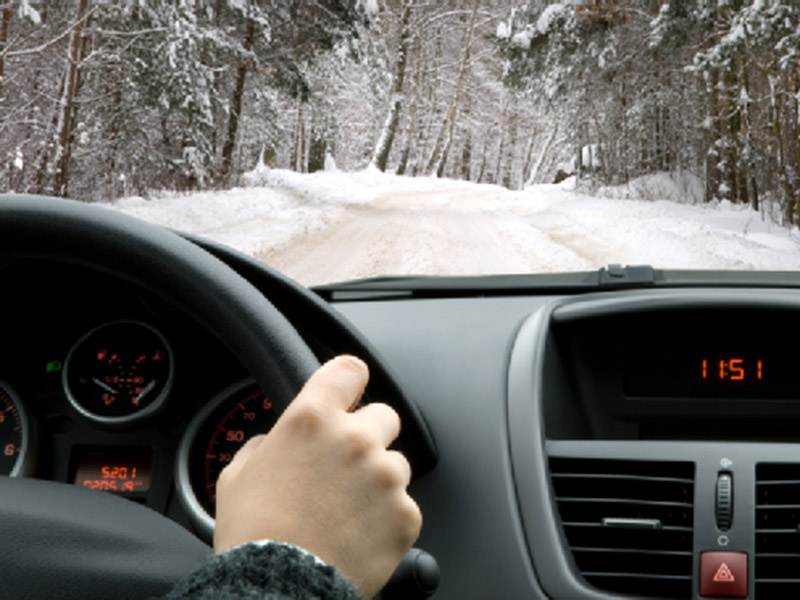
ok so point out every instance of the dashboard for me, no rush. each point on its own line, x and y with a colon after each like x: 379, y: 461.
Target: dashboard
x: 587, y: 455
x: 567, y: 442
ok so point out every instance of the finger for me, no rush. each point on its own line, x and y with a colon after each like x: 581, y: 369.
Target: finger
x: 410, y: 521
x: 401, y: 465
x: 338, y: 384
x: 380, y: 419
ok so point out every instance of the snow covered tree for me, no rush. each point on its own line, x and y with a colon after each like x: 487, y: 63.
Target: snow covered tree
x: 704, y: 85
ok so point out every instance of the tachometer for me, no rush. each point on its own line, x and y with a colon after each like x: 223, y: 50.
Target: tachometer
x: 119, y: 372
x: 212, y: 438
x: 15, y: 433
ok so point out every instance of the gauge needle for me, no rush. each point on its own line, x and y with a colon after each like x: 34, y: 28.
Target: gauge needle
x: 145, y: 391
x: 103, y: 385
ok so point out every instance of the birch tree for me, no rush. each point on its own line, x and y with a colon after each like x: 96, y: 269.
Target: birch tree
x: 396, y: 102
x: 441, y: 145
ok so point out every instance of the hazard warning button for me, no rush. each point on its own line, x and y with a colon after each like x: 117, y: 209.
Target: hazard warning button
x: 723, y: 574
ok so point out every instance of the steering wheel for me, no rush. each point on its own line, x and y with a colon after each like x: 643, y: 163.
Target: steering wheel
x: 64, y: 541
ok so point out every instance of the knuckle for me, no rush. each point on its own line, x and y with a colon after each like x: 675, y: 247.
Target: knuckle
x: 305, y: 418
x: 358, y: 443
x: 389, y: 475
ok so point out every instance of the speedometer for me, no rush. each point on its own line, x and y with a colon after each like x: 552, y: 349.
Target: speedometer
x: 213, y: 437
x: 15, y: 433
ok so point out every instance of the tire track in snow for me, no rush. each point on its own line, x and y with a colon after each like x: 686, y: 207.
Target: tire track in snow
x: 455, y: 232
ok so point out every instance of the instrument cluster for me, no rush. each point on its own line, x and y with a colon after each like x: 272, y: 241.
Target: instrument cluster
x: 132, y: 399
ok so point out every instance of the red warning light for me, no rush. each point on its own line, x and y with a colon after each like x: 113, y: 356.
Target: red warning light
x: 724, y: 574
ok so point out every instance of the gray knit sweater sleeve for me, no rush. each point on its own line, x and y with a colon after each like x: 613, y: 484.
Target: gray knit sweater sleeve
x: 264, y: 571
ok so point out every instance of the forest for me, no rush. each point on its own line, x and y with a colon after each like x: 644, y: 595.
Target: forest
x: 100, y: 100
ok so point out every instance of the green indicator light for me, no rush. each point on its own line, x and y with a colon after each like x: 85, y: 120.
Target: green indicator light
x: 53, y: 366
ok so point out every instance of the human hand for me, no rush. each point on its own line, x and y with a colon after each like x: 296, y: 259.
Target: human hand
x: 323, y: 480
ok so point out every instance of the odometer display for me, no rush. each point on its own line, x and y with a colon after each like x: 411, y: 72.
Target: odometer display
x: 124, y: 471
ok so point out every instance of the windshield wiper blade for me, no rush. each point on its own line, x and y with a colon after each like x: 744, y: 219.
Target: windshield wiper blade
x: 432, y: 286
x: 611, y: 278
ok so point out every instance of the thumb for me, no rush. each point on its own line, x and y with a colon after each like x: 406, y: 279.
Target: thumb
x: 338, y: 385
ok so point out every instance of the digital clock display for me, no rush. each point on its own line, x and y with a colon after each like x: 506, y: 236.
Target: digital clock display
x: 732, y: 369
x: 711, y: 367
x: 124, y: 471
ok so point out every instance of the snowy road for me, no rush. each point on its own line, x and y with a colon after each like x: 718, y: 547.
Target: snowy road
x: 335, y: 226
x: 425, y: 232
x: 475, y: 230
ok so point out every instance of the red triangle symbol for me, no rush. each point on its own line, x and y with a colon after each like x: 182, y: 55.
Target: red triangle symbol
x: 723, y: 573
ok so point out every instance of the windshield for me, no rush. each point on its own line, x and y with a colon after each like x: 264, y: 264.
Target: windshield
x: 340, y: 139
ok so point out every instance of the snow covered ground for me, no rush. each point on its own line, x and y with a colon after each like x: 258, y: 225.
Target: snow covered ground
x: 334, y: 225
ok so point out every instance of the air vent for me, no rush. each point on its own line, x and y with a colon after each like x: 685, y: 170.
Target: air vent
x: 777, y: 535
x: 628, y: 523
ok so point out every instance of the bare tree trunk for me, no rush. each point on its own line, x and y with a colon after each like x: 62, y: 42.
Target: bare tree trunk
x: 384, y: 146
x: 466, y: 156
x: 508, y: 180
x: 297, y: 145
x: 482, y: 170
x: 5, y: 20
x: 500, y: 151
x: 438, y: 154
x: 795, y: 140
x: 215, y: 136
x: 789, y: 207
x: 527, y: 166
x: 66, y: 112
x: 712, y: 174
x: 303, y: 167
x: 542, y: 156
x: 411, y: 122
x: 235, y: 112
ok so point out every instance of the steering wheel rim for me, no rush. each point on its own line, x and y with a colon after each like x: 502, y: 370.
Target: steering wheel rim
x: 165, y: 264
x: 200, y: 285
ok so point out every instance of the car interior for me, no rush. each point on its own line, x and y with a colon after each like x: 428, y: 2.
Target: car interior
x: 624, y: 433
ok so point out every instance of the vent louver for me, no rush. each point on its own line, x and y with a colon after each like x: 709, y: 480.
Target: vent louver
x: 628, y: 523
x: 777, y: 535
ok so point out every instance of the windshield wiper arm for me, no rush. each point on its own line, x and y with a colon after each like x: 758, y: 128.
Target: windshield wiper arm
x: 617, y: 276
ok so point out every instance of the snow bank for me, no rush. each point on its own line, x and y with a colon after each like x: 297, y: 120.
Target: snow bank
x: 662, y: 233
x: 543, y: 228
x: 681, y: 186
x: 276, y: 206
